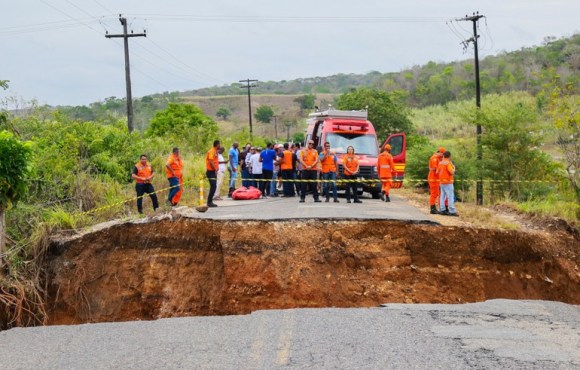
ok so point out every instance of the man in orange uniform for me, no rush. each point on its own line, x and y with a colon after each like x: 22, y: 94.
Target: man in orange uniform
x: 174, y: 170
x: 309, y: 160
x: 287, y: 161
x: 351, y: 169
x: 212, y: 166
x: 386, y: 166
x: 143, y: 173
x: 445, y: 171
x: 328, y: 170
x: 433, y: 180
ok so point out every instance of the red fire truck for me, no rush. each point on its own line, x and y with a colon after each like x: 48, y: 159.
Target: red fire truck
x: 352, y: 128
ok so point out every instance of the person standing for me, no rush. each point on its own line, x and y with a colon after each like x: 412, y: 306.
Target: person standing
x: 143, y: 174
x: 287, y: 164
x: 174, y: 171
x: 432, y: 179
x: 445, y: 172
x: 351, y: 169
x: 309, y: 161
x: 251, y: 182
x: 328, y: 169
x: 244, y: 156
x: 256, y: 169
x: 221, y: 173
x: 233, y: 158
x: 267, y: 158
x: 212, y: 166
x: 386, y: 167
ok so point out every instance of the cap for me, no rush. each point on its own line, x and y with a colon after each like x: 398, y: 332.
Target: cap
x: 441, y: 150
x: 280, y: 146
x: 388, y: 147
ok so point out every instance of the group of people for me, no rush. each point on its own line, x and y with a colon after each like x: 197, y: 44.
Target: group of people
x: 287, y: 163
x: 440, y: 178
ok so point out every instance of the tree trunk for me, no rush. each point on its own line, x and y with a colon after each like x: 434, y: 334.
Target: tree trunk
x: 2, y: 239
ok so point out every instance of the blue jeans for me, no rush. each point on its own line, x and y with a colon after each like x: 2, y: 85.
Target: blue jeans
x: 233, y: 177
x: 273, y: 184
x: 172, y: 182
x: 447, y: 192
x: 327, y: 185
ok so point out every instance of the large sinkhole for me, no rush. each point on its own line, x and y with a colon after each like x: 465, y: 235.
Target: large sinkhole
x: 187, y: 267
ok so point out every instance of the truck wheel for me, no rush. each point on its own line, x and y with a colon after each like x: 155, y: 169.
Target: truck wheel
x: 376, y: 195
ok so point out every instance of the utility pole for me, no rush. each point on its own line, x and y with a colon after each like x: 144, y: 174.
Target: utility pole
x: 125, y: 37
x: 275, y: 126
x: 474, y: 18
x: 249, y: 84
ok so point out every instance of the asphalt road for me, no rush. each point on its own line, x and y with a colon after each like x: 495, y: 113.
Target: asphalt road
x: 491, y: 335
x: 290, y: 208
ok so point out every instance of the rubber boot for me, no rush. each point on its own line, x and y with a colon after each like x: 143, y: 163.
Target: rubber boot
x: 434, y: 210
x: 387, y: 199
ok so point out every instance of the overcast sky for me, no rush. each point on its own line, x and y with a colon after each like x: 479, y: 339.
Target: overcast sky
x: 55, y: 51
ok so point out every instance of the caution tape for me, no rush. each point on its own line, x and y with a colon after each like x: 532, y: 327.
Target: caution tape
x: 337, y: 181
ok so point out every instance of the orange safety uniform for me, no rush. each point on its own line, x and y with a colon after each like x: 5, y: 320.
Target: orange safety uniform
x: 386, y: 166
x: 433, y: 179
x: 286, y: 163
x: 328, y: 164
x: 143, y: 171
x: 212, y: 157
x: 176, y: 164
x: 309, y: 157
x: 350, y: 163
x: 445, y: 171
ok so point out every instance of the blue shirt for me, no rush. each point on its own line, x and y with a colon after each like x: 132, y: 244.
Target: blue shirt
x: 233, y: 154
x: 268, y: 157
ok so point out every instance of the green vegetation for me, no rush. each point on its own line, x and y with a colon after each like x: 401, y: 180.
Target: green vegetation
x: 385, y: 113
x: 264, y: 114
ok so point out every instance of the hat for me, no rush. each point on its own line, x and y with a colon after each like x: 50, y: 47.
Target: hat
x: 441, y: 150
x: 387, y: 147
x: 280, y: 146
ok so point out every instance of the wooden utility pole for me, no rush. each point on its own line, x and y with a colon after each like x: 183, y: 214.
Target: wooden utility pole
x: 275, y: 126
x: 249, y: 84
x: 474, y: 18
x: 125, y: 37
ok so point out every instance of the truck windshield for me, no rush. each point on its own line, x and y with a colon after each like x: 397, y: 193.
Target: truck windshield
x: 363, y: 144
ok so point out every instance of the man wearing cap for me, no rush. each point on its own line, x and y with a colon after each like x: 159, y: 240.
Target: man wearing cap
x: 433, y: 179
x: 386, y: 166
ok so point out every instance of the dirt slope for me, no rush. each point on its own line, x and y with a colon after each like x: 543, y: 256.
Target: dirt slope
x: 183, y: 267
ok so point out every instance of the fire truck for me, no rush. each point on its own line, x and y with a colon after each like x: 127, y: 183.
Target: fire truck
x: 352, y: 128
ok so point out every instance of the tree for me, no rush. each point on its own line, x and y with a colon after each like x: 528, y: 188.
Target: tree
x: 223, y: 113
x: 177, y: 117
x: 384, y: 112
x: 264, y: 113
x: 306, y: 101
x: 14, y: 169
x: 564, y: 113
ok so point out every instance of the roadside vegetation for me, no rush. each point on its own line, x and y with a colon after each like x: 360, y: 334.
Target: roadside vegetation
x: 78, y: 159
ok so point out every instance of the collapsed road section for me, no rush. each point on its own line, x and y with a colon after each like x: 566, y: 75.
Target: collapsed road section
x: 186, y: 267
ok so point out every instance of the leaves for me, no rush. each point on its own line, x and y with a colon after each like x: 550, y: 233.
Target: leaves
x: 14, y: 168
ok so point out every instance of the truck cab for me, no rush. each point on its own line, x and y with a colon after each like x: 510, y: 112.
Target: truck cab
x: 352, y: 128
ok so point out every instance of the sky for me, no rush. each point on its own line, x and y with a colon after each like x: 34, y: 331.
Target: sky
x: 56, y: 52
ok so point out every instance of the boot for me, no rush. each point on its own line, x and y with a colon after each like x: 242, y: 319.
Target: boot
x: 434, y: 210
x: 387, y: 199
x: 231, y: 192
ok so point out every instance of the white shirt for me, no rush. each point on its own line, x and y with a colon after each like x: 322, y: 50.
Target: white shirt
x: 256, y: 164
x: 222, y: 167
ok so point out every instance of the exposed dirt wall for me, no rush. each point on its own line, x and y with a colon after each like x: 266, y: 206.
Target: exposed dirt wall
x: 198, y: 267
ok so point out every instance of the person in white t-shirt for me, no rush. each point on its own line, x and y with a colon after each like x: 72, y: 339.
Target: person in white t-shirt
x: 221, y: 173
x: 256, y: 167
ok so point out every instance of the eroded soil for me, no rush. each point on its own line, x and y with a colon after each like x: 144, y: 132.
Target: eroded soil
x: 185, y: 267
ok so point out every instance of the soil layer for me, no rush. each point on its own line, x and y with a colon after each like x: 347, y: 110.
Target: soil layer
x: 187, y: 267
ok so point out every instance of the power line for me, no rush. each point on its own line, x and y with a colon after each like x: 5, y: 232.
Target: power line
x: 102, y: 6
x: 291, y: 19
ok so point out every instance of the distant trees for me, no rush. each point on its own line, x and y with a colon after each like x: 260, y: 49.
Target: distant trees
x: 385, y: 113
x: 306, y: 101
x: 223, y: 113
x: 264, y: 113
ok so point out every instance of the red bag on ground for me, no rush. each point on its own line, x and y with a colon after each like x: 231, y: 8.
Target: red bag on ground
x: 244, y: 193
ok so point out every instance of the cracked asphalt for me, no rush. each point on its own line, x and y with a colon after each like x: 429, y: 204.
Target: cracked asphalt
x: 494, y: 334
